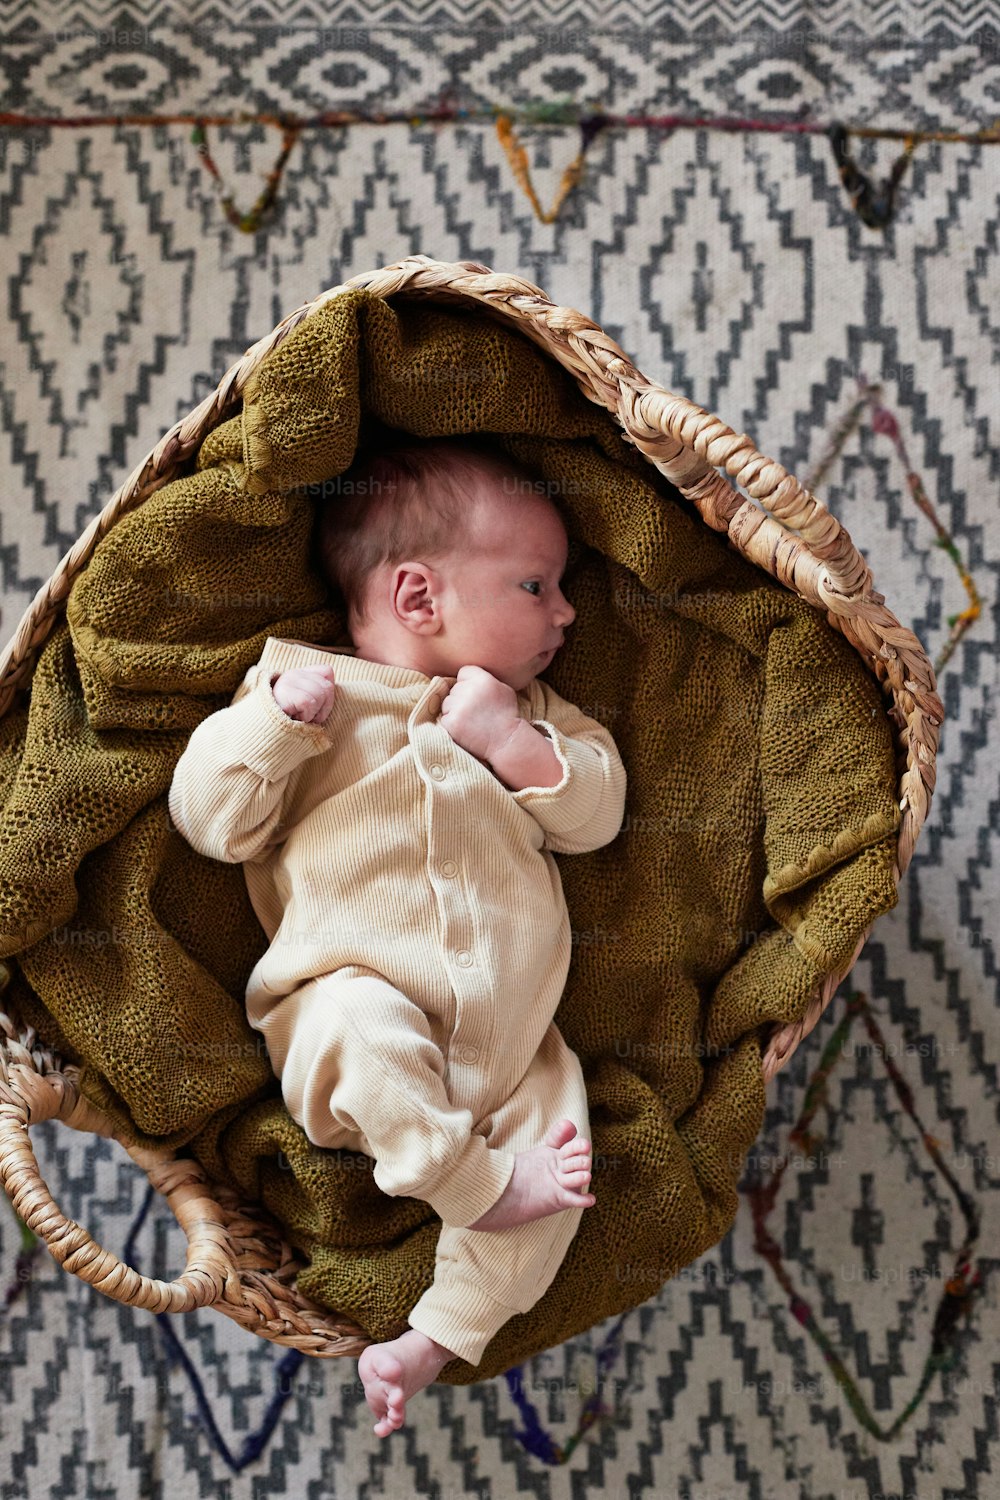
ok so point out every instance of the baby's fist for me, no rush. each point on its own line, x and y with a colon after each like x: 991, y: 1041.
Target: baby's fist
x: 479, y: 712
x: 305, y: 693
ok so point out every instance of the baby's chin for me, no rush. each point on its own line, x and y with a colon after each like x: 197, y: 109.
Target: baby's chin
x: 516, y: 677
x: 520, y: 680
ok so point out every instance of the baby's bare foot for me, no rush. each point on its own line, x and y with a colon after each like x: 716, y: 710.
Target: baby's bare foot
x: 396, y: 1370
x: 545, y: 1180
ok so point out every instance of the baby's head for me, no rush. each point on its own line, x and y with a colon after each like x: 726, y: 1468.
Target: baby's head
x: 447, y: 554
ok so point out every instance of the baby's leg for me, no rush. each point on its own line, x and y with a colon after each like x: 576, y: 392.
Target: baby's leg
x: 357, y: 1059
x: 482, y: 1279
x: 360, y: 1069
x: 396, y: 1370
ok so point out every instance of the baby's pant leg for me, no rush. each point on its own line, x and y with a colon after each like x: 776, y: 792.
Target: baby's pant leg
x: 360, y: 1068
x: 483, y: 1277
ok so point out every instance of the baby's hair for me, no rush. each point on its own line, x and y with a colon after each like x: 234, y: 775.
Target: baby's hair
x: 413, y: 499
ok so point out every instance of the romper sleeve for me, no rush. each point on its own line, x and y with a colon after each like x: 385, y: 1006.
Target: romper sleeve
x: 229, y: 784
x: 584, y: 810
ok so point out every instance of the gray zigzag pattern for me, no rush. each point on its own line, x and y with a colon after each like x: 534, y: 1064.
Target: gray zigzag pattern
x: 842, y: 20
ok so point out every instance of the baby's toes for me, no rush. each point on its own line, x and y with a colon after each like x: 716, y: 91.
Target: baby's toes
x: 382, y: 1377
x: 390, y: 1411
x: 577, y: 1197
x: 394, y: 1416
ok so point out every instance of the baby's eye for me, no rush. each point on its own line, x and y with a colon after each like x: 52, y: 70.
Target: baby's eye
x: 533, y: 583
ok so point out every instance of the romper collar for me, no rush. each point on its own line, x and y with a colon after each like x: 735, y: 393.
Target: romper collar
x: 280, y: 654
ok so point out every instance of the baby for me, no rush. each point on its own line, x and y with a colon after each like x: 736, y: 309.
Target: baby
x: 394, y: 804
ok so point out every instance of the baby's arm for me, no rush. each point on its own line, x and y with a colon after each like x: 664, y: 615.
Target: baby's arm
x: 228, y: 788
x: 583, y: 810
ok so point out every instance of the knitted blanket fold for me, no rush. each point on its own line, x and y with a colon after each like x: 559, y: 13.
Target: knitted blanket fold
x: 757, y: 845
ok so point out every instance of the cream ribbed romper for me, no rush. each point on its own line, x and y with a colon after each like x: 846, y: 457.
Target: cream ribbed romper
x: 419, y: 945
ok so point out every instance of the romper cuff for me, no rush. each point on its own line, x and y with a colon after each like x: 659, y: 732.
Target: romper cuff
x: 463, y: 1191
x: 272, y: 744
x: 573, y: 803
x: 456, y: 1312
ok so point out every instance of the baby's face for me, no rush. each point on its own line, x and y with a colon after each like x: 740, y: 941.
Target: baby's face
x: 502, y: 608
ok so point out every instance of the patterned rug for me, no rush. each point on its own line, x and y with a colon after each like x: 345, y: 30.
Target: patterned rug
x: 832, y: 293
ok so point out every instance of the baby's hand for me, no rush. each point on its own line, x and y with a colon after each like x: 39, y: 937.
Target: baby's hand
x: 479, y: 712
x: 305, y: 693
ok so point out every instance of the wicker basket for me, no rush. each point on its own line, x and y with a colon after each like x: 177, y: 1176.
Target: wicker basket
x: 237, y: 1259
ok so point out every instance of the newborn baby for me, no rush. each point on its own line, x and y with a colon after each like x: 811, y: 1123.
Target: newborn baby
x: 394, y: 804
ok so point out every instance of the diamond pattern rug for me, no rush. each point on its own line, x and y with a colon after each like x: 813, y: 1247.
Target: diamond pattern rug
x: 840, y: 1342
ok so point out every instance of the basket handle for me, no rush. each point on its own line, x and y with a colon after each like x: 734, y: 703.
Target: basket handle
x: 26, y: 1097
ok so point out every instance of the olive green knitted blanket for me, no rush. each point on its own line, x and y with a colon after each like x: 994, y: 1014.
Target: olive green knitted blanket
x: 757, y: 843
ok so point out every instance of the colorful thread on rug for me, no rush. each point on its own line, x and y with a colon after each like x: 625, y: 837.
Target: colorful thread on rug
x: 960, y: 1291
x: 875, y: 206
x: 540, y: 113
x: 255, y: 1442
x: 29, y: 1252
x: 518, y: 158
x: 884, y: 423
x: 533, y: 1436
x: 249, y: 222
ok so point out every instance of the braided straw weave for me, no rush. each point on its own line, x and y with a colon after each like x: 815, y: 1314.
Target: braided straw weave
x: 237, y: 1260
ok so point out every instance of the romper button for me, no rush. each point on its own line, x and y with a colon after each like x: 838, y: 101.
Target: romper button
x: 464, y: 958
x: 436, y: 771
x: 449, y: 868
